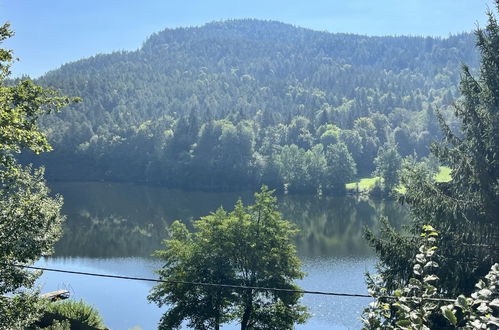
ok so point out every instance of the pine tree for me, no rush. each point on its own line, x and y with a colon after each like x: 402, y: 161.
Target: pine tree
x: 466, y: 209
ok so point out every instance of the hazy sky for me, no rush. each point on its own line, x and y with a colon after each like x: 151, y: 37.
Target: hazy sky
x: 52, y: 32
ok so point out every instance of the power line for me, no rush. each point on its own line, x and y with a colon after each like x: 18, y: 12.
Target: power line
x: 231, y: 286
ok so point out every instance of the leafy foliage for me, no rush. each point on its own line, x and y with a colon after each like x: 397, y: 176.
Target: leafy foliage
x: 411, y: 308
x: 250, y: 246
x: 21, y: 106
x: 19, y: 311
x: 416, y: 304
x: 77, y: 310
x: 481, y: 310
x: 30, y: 220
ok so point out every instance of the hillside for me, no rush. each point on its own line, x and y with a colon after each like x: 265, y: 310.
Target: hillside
x: 234, y: 104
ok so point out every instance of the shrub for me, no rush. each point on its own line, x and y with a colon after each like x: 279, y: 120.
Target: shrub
x: 77, y: 310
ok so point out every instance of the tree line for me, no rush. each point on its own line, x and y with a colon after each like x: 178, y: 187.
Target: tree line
x: 451, y: 243
x: 237, y: 104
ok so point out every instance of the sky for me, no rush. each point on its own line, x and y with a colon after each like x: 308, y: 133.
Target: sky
x: 50, y: 33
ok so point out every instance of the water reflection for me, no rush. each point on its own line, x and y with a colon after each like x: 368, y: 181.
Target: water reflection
x: 125, y: 220
x: 333, y: 226
x: 113, y: 228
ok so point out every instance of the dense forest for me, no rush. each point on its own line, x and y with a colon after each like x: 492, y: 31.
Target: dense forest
x: 240, y: 103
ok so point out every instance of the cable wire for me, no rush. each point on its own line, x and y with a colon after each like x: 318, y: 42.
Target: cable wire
x: 231, y: 286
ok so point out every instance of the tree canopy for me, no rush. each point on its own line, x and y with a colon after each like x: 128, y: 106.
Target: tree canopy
x: 30, y: 220
x: 465, y: 209
x: 220, y: 106
x: 388, y: 165
x: 250, y: 246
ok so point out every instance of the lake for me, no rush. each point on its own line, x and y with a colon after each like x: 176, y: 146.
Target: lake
x: 113, y: 228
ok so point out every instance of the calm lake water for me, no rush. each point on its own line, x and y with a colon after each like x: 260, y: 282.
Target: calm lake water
x: 113, y: 228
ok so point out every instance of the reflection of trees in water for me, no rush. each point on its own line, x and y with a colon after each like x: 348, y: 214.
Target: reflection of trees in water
x: 334, y: 226
x: 125, y: 220
x: 141, y: 203
x: 111, y: 236
x: 122, y: 220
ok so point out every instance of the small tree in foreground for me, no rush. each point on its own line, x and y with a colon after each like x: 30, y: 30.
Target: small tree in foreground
x: 250, y: 246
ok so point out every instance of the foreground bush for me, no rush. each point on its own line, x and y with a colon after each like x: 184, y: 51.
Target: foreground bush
x: 76, y: 314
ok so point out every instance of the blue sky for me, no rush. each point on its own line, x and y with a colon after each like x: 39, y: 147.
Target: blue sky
x: 50, y: 33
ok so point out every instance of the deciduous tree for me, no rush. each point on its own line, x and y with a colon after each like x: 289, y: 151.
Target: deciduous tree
x: 30, y: 219
x: 388, y: 165
x: 250, y: 246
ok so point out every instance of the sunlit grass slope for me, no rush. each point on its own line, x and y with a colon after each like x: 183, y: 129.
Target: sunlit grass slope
x: 366, y: 184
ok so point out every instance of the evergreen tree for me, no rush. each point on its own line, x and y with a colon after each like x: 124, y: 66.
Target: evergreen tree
x: 465, y: 210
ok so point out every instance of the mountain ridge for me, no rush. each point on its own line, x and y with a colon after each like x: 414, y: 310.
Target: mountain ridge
x: 228, y: 27
x: 277, y: 83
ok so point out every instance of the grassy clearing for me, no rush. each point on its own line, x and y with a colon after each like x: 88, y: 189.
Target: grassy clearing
x: 365, y: 184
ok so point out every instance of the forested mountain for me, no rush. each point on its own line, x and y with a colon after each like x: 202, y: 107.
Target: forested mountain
x: 238, y: 103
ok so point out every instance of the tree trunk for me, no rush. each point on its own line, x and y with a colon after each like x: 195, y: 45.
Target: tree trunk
x: 248, y: 310
x: 217, y: 318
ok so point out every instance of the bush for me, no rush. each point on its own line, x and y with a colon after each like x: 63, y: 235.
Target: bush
x: 58, y: 325
x: 77, y: 310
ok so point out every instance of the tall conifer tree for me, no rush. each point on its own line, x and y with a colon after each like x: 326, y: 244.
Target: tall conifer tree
x: 466, y: 209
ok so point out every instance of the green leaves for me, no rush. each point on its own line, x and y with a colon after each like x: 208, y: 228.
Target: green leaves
x: 404, y: 323
x: 30, y: 220
x: 415, y: 304
x: 417, y: 269
x: 430, y: 278
x: 450, y: 316
x: 250, y: 246
x: 21, y: 106
x: 481, y: 311
x: 411, y: 306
